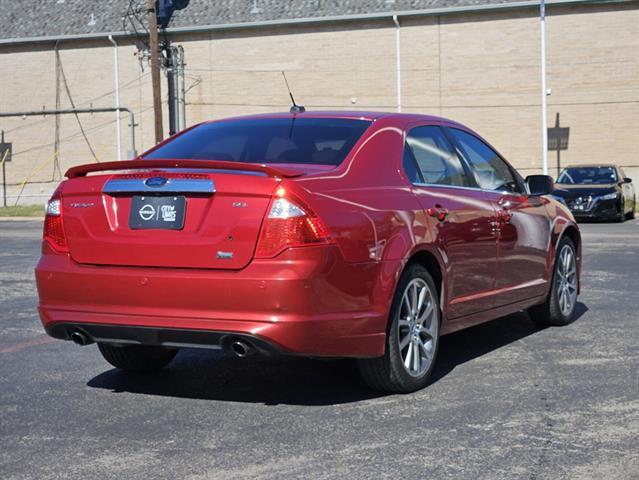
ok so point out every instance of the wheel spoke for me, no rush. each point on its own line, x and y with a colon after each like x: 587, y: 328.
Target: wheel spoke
x: 406, y: 304
x: 427, y: 330
x: 417, y: 358
x: 409, y: 355
x: 403, y: 322
x: 422, y: 296
x: 404, y: 341
x: 427, y: 353
x: 427, y: 312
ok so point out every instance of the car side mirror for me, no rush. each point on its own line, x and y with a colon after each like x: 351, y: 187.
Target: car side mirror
x: 627, y: 180
x: 540, y: 184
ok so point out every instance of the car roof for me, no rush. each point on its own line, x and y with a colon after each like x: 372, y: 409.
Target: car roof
x: 592, y: 165
x: 347, y: 114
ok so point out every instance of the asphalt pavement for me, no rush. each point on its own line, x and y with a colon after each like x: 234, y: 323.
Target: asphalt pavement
x: 509, y: 400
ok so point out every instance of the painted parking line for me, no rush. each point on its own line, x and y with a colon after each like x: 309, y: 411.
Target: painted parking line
x: 26, y: 344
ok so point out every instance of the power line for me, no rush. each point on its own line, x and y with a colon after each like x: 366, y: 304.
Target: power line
x: 77, y: 117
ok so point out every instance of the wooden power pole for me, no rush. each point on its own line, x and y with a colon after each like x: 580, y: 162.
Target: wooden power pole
x: 155, y: 70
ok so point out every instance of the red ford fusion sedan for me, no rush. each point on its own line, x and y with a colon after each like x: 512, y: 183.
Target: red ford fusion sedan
x: 329, y: 234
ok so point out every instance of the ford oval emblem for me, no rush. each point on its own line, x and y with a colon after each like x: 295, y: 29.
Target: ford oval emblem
x: 155, y: 182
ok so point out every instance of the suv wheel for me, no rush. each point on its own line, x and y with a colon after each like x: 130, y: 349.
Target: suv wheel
x: 412, y: 340
x: 559, y: 307
x: 137, y: 358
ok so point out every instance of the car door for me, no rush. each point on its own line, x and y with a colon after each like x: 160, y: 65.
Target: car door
x: 522, y: 223
x: 461, y: 216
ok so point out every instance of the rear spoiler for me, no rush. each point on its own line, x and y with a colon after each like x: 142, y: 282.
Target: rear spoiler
x: 271, y: 171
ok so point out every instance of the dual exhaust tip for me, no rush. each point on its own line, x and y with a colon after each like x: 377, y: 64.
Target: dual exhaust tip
x: 240, y: 348
x: 80, y: 338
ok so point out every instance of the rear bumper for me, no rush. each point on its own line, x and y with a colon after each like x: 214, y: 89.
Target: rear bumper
x: 307, y: 301
x: 165, y: 337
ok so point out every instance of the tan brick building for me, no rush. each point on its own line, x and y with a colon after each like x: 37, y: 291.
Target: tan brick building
x: 477, y: 62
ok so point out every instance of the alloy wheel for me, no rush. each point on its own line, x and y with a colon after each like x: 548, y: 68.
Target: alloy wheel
x: 567, y: 280
x: 418, y: 327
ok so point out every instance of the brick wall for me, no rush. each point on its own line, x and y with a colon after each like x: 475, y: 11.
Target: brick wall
x: 481, y: 69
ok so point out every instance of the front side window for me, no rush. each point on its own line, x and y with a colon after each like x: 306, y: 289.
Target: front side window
x: 491, y: 172
x: 434, y: 158
x: 320, y: 141
x: 588, y: 175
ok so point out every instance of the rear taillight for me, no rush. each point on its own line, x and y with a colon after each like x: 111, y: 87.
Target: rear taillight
x: 289, y: 223
x: 53, y: 228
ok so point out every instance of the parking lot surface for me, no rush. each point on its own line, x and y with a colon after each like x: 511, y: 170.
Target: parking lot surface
x: 509, y: 400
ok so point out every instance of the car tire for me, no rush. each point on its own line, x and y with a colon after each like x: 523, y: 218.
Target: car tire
x: 137, y: 358
x: 631, y: 215
x: 395, y: 371
x: 551, y: 312
x: 621, y: 216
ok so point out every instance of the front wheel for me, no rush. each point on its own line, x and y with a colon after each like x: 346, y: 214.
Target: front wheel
x: 559, y: 307
x: 137, y: 358
x: 412, y: 340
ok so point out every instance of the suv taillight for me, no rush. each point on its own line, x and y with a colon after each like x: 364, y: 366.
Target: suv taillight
x: 289, y: 223
x: 53, y: 229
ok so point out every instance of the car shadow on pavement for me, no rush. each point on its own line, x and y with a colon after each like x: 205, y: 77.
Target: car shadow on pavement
x: 214, y: 375
x: 466, y: 345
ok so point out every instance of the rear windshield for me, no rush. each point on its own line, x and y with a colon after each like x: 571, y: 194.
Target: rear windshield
x: 320, y: 141
x: 588, y: 175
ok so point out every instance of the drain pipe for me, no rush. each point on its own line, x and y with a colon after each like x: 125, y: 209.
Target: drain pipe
x: 398, y: 54
x: 117, y: 94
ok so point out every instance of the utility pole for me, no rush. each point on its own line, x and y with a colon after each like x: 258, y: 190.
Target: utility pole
x: 172, y: 80
x: 155, y: 70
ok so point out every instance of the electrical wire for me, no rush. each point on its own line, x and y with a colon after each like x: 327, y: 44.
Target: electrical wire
x: 77, y: 117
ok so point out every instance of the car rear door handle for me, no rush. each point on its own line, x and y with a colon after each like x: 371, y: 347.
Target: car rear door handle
x: 439, y: 212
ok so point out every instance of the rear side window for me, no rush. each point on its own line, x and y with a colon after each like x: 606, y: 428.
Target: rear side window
x: 491, y: 172
x: 434, y: 158
x: 321, y: 141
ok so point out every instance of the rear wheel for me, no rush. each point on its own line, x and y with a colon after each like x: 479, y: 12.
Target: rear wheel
x: 413, y: 337
x: 137, y: 358
x: 559, y: 307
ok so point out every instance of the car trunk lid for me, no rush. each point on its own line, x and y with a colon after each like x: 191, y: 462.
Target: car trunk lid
x: 223, y: 209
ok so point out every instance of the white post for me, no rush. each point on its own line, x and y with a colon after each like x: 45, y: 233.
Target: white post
x: 544, y: 90
x: 117, y: 95
x: 398, y: 54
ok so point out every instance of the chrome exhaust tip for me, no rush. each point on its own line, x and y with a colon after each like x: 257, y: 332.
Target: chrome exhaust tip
x: 79, y: 338
x: 241, y: 349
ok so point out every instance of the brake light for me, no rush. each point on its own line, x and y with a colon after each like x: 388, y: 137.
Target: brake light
x: 289, y: 223
x: 53, y: 228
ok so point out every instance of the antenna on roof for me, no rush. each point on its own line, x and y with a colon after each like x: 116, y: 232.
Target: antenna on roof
x: 295, y: 108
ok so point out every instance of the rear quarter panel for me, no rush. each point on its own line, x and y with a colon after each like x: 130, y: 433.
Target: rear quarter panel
x: 370, y: 209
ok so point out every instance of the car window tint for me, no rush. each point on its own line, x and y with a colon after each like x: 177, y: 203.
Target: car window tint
x: 491, y: 172
x: 322, y: 141
x: 436, y: 160
x: 588, y: 175
x: 410, y: 167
